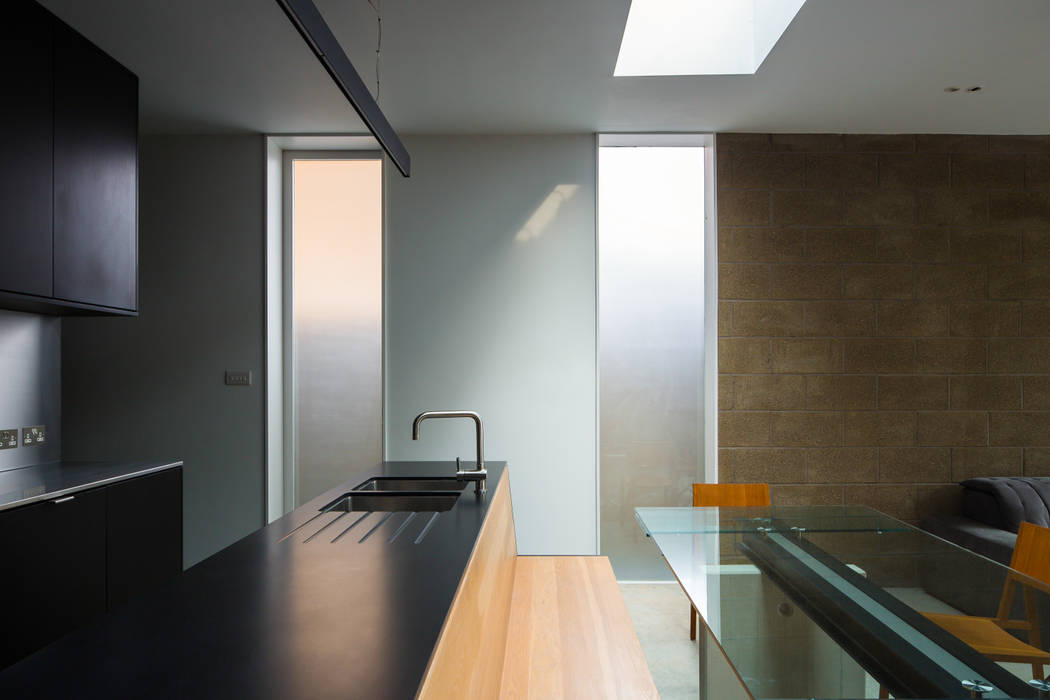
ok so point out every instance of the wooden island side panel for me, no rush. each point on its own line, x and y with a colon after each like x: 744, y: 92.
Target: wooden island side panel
x: 467, y: 661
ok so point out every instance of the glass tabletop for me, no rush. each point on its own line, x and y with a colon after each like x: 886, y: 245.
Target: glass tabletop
x: 846, y: 602
x: 727, y: 520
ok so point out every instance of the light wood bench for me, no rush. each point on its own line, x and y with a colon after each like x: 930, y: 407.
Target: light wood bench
x: 535, y: 627
x: 570, y: 635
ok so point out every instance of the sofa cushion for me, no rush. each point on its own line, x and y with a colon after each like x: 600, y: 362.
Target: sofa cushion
x: 992, y: 542
x: 1007, y: 501
x: 983, y: 507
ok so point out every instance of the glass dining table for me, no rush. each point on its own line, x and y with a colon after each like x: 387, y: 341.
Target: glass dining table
x: 846, y: 602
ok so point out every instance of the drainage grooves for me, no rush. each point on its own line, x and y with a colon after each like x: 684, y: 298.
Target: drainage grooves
x: 302, y: 525
x: 426, y: 528
x: 375, y: 527
x: 409, y: 518
x: 401, y: 527
x: 325, y: 526
x: 351, y: 526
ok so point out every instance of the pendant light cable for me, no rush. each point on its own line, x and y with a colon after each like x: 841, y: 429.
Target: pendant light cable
x: 376, y: 6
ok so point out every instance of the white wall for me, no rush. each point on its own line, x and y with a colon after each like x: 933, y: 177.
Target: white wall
x: 490, y: 305
x: 276, y: 501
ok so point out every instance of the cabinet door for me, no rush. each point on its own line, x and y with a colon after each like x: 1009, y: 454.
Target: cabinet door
x: 54, y: 558
x: 96, y: 183
x: 143, y: 534
x: 25, y: 142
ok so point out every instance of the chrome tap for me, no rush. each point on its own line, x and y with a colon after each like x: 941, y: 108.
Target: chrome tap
x: 478, y: 474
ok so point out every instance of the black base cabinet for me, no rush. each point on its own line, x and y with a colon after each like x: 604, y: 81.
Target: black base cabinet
x: 54, y: 556
x: 68, y: 560
x: 143, y: 535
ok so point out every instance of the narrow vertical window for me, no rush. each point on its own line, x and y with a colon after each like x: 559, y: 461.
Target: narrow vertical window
x: 651, y: 342
x: 337, y: 303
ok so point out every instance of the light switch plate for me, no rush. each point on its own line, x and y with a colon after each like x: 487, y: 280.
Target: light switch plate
x: 34, y: 435
x: 238, y: 377
x: 8, y: 439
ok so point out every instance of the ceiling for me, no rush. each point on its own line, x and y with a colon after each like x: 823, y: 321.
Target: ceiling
x: 507, y: 66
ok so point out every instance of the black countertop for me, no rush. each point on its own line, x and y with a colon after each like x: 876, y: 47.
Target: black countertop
x: 266, y: 618
x: 24, y: 485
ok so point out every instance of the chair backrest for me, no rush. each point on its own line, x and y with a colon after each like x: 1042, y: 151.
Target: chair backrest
x: 1031, y: 558
x: 730, y: 495
x: 1032, y: 552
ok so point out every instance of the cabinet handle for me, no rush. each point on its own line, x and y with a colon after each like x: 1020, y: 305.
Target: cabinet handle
x: 63, y: 500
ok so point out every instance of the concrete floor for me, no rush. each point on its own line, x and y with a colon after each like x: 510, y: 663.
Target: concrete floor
x: 660, y: 613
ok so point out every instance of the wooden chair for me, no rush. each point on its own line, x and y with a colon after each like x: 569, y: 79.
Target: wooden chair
x: 729, y: 495
x: 988, y: 635
x: 725, y: 495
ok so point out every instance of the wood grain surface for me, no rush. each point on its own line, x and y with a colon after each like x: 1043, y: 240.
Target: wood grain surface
x: 730, y: 495
x: 570, y: 634
x: 468, y: 659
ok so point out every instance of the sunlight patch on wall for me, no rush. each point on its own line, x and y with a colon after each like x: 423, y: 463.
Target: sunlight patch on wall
x: 545, y: 213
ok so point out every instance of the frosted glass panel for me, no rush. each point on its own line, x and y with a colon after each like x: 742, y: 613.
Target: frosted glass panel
x: 337, y: 319
x: 651, y: 339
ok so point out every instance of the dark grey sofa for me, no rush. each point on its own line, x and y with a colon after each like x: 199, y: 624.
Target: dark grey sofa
x: 993, y: 508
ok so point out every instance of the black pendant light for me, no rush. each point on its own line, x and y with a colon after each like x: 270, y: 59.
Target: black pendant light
x: 308, y: 20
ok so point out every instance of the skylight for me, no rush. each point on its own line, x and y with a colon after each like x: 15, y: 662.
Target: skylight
x: 702, y: 37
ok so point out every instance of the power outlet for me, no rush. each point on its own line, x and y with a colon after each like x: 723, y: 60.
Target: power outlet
x: 34, y: 435
x: 8, y: 439
x: 238, y: 377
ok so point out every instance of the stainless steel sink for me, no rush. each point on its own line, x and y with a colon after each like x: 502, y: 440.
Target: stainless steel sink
x: 411, y: 483
x: 382, y: 497
x: 360, y: 502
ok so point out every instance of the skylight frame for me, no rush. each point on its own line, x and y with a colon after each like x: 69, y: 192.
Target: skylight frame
x: 701, y: 37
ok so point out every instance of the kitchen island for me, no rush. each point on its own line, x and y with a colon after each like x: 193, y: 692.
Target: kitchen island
x: 273, y: 616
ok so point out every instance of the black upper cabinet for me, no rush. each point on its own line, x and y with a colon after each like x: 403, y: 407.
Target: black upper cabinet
x: 68, y: 172
x: 25, y: 142
x: 95, y: 171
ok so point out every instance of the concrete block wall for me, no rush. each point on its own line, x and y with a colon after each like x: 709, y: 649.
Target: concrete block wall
x: 884, y: 314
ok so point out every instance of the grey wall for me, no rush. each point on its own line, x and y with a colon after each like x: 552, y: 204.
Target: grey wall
x: 153, y: 386
x: 490, y: 305
x: 30, y: 367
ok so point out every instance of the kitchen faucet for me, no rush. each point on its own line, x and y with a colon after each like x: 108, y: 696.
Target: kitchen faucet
x: 478, y: 474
